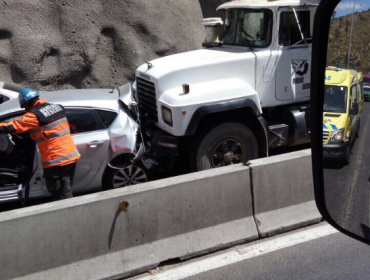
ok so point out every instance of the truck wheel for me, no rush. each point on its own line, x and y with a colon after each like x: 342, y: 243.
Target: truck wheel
x: 225, y: 144
x: 119, y: 178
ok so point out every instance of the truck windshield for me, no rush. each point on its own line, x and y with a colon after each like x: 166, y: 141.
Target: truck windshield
x: 250, y: 28
x: 335, y: 99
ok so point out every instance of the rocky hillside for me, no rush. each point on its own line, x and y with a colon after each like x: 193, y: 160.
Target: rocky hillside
x: 339, y: 42
x: 50, y: 44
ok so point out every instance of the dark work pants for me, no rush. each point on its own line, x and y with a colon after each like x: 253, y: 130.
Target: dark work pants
x: 59, y: 181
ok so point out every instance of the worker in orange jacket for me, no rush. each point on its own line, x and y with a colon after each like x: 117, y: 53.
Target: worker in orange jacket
x: 49, y: 128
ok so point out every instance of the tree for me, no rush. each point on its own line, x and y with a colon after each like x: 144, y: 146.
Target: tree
x: 336, y: 33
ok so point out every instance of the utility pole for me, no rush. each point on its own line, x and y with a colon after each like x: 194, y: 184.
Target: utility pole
x: 350, y: 35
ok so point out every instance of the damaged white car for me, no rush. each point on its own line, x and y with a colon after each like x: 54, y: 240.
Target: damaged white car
x: 103, y: 131
x: 8, y: 92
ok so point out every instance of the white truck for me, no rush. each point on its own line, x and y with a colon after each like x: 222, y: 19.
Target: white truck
x: 237, y: 97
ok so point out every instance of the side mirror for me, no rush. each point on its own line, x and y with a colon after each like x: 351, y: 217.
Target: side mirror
x: 354, y: 110
x: 341, y: 160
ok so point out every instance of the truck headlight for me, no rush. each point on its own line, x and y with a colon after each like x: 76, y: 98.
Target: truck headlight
x: 337, y: 135
x: 167, y: 115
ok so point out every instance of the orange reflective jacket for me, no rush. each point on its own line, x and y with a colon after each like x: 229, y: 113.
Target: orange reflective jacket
x: 48, y: 126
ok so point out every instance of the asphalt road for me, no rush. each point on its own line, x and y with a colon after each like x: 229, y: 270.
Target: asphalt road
x: 326, y: 257
x: 347, y: 186
x: 332, y: 257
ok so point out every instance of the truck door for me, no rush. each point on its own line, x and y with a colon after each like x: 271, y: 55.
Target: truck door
x: 293, y: 75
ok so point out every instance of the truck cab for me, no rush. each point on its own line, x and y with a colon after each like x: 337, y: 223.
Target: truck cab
x: 240, y: 95
x: 343, y: 107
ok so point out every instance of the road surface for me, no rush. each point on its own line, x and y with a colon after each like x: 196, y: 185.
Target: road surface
x: 347, y: 186
x: 316, y: 252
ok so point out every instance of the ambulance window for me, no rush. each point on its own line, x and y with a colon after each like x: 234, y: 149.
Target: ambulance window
x: 289, y: 33
x: 82, y: 121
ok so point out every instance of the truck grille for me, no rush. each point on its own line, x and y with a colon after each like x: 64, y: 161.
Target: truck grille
x: 325, y: 136
x: 147, y: 99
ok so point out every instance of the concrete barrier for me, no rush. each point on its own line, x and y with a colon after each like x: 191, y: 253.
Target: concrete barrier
x: 283, y: 192
x: 91, y: 237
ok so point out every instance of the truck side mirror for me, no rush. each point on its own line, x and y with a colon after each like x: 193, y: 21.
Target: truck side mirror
x: 340, y: 160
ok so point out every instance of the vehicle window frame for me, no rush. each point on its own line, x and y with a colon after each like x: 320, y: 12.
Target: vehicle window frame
x: 300, y: 45
x: 95, y: 116
x: 12, y: 115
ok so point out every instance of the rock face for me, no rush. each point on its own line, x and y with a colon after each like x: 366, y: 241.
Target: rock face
x: 50, y: 44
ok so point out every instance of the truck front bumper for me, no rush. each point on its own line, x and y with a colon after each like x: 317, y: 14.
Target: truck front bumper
x: 160, y: 142
x: 335, y: 150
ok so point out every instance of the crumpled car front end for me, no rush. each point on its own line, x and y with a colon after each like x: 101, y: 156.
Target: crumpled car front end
x: 127, y: 146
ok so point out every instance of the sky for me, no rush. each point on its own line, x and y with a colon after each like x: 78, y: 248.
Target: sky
x: 346, y: 6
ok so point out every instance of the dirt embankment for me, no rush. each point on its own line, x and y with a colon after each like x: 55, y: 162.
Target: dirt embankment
x: 51, y: 44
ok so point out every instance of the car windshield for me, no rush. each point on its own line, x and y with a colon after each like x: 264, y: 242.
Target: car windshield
x: 335, y: 99
x: 367, y: 90
x: 250, y: 28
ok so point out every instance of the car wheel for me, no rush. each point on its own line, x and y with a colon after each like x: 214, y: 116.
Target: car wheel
x: 119, y: 178
x: 226, y: 144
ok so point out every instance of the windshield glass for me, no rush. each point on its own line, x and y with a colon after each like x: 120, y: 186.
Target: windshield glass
x: 335, y: 99
x: 250, y: 28
x: 367, y: 90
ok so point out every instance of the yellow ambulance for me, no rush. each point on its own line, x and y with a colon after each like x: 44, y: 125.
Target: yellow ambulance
x: 343, y: 107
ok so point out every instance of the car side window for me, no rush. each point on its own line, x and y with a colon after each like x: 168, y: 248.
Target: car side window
x: 3, y: 98
x: 289, y: 33
x: 82, y: 121
x: 107, y: 117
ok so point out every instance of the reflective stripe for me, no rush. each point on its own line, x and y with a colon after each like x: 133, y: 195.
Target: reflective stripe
x: 51, y: 162
x: 39, y: 140
x: 37, y: 130
x: 50, y: 126
x: 60, y: 133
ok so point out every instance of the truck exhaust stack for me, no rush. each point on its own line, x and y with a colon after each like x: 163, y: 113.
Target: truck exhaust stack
x: 211, y: 25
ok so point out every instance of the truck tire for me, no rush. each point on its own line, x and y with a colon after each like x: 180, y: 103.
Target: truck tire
x: 119, y: 178
x: 224, y: 144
